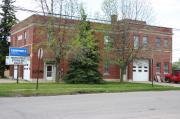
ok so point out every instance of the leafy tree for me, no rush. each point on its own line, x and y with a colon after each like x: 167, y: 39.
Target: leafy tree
x: 126, y: 48
x: 176, y: 65
x: 84, y: 63
x: 8, y: 19
x: 63, y: 10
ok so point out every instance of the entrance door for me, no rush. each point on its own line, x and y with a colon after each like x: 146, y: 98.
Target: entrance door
x: 26, y: 74
x: 15, y: 72
x: 141, y: 70
x: 49, y: 71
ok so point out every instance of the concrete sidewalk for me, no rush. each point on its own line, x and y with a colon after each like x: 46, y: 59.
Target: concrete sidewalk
x: 7, y: 81
x: 167, y: 84
x: 12, y: 81
x: 161, y: 83
x: 23, y: 81
x: 156, y: 83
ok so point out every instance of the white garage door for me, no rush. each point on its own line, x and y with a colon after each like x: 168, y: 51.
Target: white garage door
x: 141, y: 70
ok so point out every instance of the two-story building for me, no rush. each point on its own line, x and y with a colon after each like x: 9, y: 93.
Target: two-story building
x: 156, y: 58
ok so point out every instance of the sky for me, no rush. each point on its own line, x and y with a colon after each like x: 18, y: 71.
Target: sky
x: 166, y: 12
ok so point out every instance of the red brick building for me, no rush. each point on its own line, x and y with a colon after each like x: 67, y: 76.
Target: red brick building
x: 157, y: 60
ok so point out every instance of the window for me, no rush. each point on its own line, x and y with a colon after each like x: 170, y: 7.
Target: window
x: 165, y: 43
x: 158, y: 42
x: 136, y: 42
x: 49, y: 36
x: 158, y: 68
x: 107, y: 41
x: 20, y: 37
x: 145, y: 41
x: 106, y: 68
x: 25, y: 35
x: 166, y: 68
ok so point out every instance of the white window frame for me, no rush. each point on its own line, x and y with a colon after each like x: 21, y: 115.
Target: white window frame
x: 158, y: 68
x: 166, y: 68
x: 145, y: 41
x: 166, y: 43
x: 106, y: 40
x: 136, y: 42
x: 25, y: 35
x: 158, y: 42
x: 20, y: 37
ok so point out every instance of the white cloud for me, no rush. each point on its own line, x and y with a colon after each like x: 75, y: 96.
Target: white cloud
x: 167, y: 14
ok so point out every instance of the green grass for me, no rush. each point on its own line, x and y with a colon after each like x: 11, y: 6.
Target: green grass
x: 28, y: 89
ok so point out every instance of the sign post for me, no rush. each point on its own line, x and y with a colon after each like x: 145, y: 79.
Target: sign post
x: 17, y: 81
x: 152, y: 73
x: 40, y: 55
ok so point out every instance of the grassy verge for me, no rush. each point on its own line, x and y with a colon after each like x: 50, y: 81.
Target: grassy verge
x: 28, y: 89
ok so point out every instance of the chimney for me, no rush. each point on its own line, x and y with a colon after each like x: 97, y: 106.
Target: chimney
x: 113, y: 19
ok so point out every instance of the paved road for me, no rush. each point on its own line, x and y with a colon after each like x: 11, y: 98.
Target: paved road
x: 136, y: 105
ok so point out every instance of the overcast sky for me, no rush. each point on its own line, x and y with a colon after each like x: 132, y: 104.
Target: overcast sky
x: 167, y: 14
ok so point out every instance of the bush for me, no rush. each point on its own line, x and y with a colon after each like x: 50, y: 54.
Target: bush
x: 83, y: 72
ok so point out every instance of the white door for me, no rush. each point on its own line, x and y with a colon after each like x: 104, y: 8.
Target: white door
x: 49, y: 71
x: 26, y: 74
x: 15, y: 72
x: 141, y: 70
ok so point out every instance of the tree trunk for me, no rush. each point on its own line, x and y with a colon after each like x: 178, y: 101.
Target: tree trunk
x: 122, y: 73
x: 58, y: 72
x: 2, y: 72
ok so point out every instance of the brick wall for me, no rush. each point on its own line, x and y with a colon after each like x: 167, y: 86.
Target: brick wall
x: 36, y: 31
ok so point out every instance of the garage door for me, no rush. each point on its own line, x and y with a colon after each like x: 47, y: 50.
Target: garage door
x: 141, y: 70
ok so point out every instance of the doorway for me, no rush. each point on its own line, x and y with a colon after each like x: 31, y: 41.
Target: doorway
x: 50, y: 71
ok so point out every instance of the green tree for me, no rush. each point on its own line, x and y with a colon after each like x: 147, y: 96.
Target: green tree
x: 176, y: 65
x: 59, y: 12
x: 8, y: 19
x: 83, y: 66
x: 132, y: 13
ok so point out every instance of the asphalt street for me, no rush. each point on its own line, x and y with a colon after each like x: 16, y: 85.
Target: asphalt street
x: 134, y: 105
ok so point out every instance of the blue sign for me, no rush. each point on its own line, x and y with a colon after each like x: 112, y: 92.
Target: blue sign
x: 18, y: 51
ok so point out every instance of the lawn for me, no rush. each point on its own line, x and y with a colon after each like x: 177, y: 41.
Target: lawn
x: 28, y: 89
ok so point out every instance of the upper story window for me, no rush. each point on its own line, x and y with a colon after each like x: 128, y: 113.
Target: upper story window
x: 166, y: 43
x: 49, y: 37
x: 145, y: 41
x: 107, y: 41
x: 158, y: 42
x: 20, y: 37
x: 136, y: 42
x: 25, y: 35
